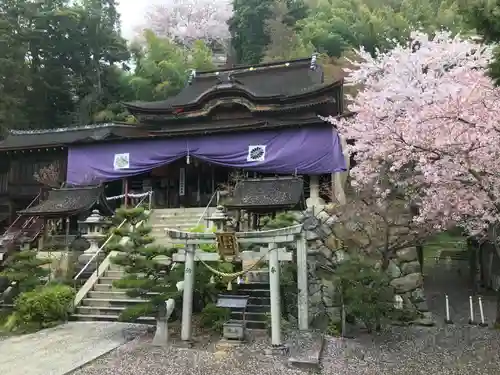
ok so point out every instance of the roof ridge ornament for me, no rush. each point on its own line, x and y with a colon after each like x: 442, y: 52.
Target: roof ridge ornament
x: 313, y: 65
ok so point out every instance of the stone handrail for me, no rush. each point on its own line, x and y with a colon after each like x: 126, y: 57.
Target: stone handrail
x: 103, y: 267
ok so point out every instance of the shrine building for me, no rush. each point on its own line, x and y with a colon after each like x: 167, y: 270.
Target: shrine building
x: 261, y: 120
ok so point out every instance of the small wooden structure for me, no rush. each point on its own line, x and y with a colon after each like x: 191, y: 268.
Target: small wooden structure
x: 64, y: 203
x: 234, y: 330
x: 266, y: 196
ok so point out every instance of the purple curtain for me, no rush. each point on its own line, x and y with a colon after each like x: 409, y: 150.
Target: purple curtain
x: 312, y: 150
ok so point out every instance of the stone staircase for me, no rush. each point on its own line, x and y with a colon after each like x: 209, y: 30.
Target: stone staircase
x: 174, y: 218
x: 105, y: 302
x: 259, y: 303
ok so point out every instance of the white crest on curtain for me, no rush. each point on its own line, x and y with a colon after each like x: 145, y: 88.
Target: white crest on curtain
x: 256, y: 153
x: 121, y: 161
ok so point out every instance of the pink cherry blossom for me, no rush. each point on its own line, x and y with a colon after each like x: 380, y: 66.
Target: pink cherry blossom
x: 188, y: 20
x: 428, y: 120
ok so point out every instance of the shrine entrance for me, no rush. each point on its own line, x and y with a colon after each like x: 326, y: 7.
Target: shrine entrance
x: 181, y: 184
x: 228, y: 246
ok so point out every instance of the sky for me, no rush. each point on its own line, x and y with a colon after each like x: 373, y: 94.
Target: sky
x: 132, y: 14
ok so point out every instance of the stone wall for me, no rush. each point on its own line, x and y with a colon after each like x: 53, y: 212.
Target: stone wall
x: 404, y: 272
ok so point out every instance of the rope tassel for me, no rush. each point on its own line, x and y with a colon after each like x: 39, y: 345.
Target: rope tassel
x: 229, y: 286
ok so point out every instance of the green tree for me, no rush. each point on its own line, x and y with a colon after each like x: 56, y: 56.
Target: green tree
x: 336, y: 26
x: 26, y: 270
x: 162, y: 68
x: 59, y: 61
x: 144, y: 276
x: 248, y: 29
x: 284, y: 41
x: 482, y: 15
x: 14, y: 77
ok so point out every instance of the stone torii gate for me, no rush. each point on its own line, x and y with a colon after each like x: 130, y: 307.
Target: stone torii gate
x: 273, y: 238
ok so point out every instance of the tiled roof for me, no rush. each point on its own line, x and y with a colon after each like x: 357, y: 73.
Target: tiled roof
x: 70, y: 201
x: 267, y: 194
x: 278, y: 80
x: 24, y: 139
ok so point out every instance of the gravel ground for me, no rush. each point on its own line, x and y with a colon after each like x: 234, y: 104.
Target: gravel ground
x: 444, y: 349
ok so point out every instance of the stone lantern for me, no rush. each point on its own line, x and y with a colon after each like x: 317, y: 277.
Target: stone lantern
x: 93, y: 230
x: 219, y: 218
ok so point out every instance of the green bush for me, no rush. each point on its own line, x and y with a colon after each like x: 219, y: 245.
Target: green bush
x: 213, y: 317
x: 282, y: 220
x: 366, y: 294
x: 42, y: 307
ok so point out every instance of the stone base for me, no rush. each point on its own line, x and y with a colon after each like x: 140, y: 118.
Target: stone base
x: 161, y: 334
x: 305, y: 349
x: 277, y: 350
x: 85, y: 257
x: 189, y: 344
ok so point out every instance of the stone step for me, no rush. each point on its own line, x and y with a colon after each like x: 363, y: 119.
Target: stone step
x: 258, y: 325
x: 259, y: 301
x: 112, y: 302
x: 114, y: 294
x: 107, y: 280
x: 109, y: 318
x: 115, y: 274
x: 258, y: 308
x: 199, y: 210
x: 256, y: 285
x: 170, y: 223
x: 254, y: 292
x: 106, y: 310
x: 254, y: 317
x: 162, y: 231
x: 106, y: 288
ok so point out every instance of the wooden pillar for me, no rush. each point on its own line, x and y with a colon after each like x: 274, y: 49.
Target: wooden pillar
x: 125, y: 191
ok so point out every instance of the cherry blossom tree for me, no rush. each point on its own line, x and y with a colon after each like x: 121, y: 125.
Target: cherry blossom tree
x: 427, y: 120
x: 427, y: 125
x: 188, y: 20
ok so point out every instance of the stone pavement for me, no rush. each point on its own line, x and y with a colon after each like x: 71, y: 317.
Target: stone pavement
x: 59, y: 350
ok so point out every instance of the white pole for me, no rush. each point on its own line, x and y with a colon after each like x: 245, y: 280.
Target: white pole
x: 187, y: 297
x: 448, y: 320
x: 471, y: 308
x: 481, y: 311
x: 274, y: 286
x: 302, y: 285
